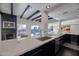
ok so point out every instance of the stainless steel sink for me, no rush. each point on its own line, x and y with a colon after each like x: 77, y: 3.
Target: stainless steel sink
x: 44, y: 38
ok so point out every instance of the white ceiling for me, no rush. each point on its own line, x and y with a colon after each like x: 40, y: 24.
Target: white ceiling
x: 57, y: 11
x: 5, y: 7
x: 65, y: 11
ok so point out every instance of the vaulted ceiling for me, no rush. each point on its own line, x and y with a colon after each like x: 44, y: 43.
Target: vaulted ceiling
x: 32, y: 11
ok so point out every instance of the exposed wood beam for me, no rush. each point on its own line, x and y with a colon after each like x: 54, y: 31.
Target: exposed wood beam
x: 33, y: 14
x: 11, y: 8
x: 25, y: 11
x: 36, y: 17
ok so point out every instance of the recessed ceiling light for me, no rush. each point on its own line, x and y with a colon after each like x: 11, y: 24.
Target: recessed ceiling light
x: 48, y: 6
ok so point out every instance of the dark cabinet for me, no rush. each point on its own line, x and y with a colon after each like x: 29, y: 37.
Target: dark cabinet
x: 47, y: 49
x: 58, y: 44
x: 71, y: 38
x: 35, y: 52
x: 67, y: 38
x: 74, y: 39
x: 78, y: 40
x: 53, y: 47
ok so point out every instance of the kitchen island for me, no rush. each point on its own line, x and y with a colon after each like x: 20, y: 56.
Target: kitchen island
x: 25, y: 45
x: 31, y: 46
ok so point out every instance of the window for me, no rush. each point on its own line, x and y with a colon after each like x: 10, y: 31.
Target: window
x: 35, y: 30
x: 50, y: 27
x: 22, y: 31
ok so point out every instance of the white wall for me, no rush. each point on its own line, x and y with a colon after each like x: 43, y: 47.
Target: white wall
x: 74, y: 29
x: 74, y: 21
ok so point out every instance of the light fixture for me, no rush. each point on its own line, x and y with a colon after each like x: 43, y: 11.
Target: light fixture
x: 48, y: 6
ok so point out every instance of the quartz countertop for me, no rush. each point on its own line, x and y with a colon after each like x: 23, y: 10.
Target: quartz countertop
x: 25, y: 45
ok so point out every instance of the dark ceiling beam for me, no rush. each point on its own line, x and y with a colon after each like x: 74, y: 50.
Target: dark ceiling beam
x: 50, y: 18
x: 11, y: 8
x: 33, y: 14
x: 36, y: 17
x: 25, y: 11
x: 39, y: 20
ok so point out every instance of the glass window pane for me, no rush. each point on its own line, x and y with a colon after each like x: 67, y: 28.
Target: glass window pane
x: 22, y: 30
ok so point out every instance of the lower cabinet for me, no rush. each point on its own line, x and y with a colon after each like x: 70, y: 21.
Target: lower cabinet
x: 67, y: 38
x: 71, y: 38
x: 57, y: 45
x: 53, y: 47
x: 35, y: 52
x: 47, y: 49
x: 78, y: 41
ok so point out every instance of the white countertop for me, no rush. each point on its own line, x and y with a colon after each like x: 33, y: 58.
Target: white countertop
x: 25, y: 45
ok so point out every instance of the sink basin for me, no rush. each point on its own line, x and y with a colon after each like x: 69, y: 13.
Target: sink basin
x: 44, y: 38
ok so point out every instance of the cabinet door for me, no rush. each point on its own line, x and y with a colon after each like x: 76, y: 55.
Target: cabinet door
x: 78, y: 40
x: 49, y: 49
x: 74, y: 39
x: 61, y: 40
x: 67, y: 38
x: 58, y: 44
